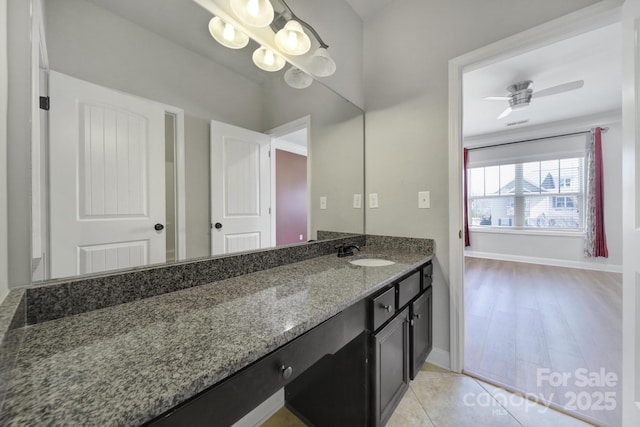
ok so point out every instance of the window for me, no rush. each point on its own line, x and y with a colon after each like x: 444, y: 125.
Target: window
x: 546, y: 194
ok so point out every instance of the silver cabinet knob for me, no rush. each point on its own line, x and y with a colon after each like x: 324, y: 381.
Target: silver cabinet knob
x: 387, y: 307
x: 286, y: 372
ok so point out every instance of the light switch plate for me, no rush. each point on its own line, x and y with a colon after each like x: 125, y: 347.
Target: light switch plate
x: 373, y: 200
x: 357, y: 201
x: 323, y: 202
x: 424, y: 200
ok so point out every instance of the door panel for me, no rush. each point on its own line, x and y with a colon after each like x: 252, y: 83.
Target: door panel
x: 391, y: 352
x: 106, y: 178
x: 421, y: 331
x: 240, y: 189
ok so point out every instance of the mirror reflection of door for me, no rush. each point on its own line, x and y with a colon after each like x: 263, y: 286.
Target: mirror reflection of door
x: 107, y: 179
x: 291, y: 195
x: 240, y: 189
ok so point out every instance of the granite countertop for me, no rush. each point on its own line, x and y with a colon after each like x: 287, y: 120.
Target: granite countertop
x: 127, y: 364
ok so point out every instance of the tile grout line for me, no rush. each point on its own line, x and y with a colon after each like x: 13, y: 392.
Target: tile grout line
x: 421, y: 405
x: 498, y: 402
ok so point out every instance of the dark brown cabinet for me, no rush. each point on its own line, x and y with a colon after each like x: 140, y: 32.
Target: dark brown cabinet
x: 420, y: 329
x: 391, y: 364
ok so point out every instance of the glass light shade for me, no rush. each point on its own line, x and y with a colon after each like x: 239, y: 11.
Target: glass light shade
x: 257, y: 13
x: 298, y: 79
x: 321, y: 64
x: 267, y: 59
x: 226, y: 34
x: 292, y: 39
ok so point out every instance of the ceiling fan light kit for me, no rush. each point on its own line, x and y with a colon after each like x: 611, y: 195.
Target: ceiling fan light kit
x: 289, y: 36
x: 521, y: 94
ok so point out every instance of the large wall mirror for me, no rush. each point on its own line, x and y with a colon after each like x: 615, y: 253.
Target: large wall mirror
x: 161, y: 145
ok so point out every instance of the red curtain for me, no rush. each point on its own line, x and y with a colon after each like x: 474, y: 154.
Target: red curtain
x: 600, y: 249
x: 467, y: 241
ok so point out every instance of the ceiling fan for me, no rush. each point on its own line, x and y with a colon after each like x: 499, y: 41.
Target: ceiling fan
x: 521, y: 94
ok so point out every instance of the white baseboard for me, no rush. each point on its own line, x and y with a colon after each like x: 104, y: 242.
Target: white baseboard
x: 263, y: 411
x: 611, y: 268
x: 440, y: 358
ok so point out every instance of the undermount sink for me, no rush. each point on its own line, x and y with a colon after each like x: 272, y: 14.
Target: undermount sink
x: 371, y: 262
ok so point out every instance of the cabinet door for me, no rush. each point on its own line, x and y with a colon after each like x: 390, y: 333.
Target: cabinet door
x: 391, y: 354
x: 421, y: 330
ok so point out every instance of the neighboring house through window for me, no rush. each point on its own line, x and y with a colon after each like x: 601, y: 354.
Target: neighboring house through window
x: 543, y: 193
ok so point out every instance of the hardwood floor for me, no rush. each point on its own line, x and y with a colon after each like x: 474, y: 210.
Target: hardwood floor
x: 525, y: 320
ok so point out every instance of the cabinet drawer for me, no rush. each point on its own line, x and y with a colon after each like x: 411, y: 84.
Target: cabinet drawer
x: 383, y: 308
x: 408, y: 289
x: 427, y: 276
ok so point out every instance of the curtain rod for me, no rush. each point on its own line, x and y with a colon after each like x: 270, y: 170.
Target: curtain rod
x: 604, y: 130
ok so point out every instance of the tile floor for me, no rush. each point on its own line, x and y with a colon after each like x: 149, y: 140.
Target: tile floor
x: 441, y: 398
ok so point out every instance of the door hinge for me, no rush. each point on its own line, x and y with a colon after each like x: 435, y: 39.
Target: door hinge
x: 269, y: 211
x: 269, y: 153
x: 460, y: 234
x: 44, y: 103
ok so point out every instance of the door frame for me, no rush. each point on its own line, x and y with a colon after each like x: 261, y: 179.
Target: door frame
x: 589, y: 18
x: 277, y: 132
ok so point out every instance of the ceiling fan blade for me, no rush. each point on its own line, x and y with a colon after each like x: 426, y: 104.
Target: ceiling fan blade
x: 497, y: 98
x: 505, y: 113
x: 566, y: 87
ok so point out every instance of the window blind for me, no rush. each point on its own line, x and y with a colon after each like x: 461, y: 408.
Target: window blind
x: 547, y: 149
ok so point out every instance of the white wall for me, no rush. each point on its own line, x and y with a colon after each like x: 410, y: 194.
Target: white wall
x: 4, y: 278
x: 407, y: 46
x: 566, y: 249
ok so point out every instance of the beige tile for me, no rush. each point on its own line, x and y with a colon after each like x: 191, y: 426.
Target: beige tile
x: 428, y: 367
x: 458, y: 400
x: 283, y: 418
x: 409, y: 413
x: 528, y: 412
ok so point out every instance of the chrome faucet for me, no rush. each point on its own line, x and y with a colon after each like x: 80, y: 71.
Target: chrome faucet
x: 346, y: 250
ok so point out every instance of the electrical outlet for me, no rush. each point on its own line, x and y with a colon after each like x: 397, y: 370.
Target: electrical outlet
x: 373, y: 200
x: 323, y: 202
x: 357, y: 201
x: 424, y: 200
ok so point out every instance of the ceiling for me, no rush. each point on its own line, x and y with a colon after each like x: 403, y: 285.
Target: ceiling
x: 367, y: 8
x: 594, y: 57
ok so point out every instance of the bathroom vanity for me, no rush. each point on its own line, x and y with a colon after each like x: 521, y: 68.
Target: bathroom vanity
x: 341, y: 339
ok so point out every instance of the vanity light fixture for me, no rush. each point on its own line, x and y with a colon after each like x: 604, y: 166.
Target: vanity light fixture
x: 321, y: 64
x: 297, y: 79
x: 292, y: 39
x: 267, y: 59
x: 257, y: 13
x: 226, y: 34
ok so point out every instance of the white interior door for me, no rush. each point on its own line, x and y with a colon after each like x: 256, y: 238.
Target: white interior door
x: 631, y: 215
x: 107, y: 179
x: 240, y: 189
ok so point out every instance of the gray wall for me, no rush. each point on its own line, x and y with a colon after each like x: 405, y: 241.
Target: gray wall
x: 19, y: 142
x: 336, y: 150
x: 341, y: 28
x: 407, y: 46
x: 4, y: 280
